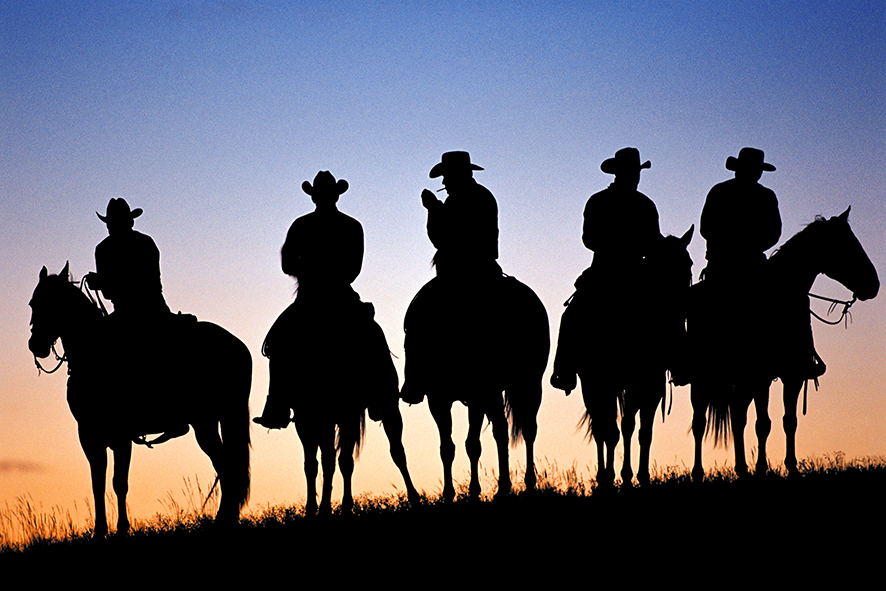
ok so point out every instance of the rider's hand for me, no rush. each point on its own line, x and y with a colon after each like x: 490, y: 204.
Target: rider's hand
x: 428, y: 199
x: 91, y: 279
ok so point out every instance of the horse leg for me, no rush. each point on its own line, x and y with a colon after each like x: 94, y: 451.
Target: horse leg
x: 210, y: 442
x: 327, y: 461
x: 393, y: 424
x: 499, y: 422
x: 97, y: 456
x: 472, y: 446
x: 739, y: 417
x: 791, y: 394
x: 311, y: 446
x: 763, y: 427
x: 120, y: 482
x: 442, y: 413
x: 530, y: 431
x: 647, y: 420
x: 628, y: 424
x: 347, y: 444
x: 699, y: 425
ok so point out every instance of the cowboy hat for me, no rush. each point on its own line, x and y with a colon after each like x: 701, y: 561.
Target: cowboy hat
x: 324, y: 182
x: 750, y: 159
x: 118, y: 210
x: 626, y: 159
x: 453, y: 160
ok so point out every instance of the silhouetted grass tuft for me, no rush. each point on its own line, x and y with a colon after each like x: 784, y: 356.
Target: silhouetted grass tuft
x: 833, y: 503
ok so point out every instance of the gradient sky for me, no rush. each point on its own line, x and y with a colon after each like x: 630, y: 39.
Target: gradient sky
x: 210, y: 114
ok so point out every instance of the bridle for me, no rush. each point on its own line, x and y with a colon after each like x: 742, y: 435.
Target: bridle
x: 96, y: 300
x: 845, y: 315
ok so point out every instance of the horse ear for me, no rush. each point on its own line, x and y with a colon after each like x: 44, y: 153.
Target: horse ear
x: 65, y: 271
x: 687, y: 237
x: 43, y: 273
x: 845, y: 215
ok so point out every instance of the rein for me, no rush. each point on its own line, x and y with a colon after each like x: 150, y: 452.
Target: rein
x: 96, y: 299
x: 844, y: 316
x: 60, y: 358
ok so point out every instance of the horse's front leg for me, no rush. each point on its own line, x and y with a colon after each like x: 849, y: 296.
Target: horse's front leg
x: 790, y: 394
x: 763, y: 427
x: 120, y: 482
x: 97, y: 456
x: 442, y: 413
x: 628, y: 424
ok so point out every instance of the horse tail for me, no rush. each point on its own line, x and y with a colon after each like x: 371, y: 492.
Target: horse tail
x: 361, y: 436
x: 718, y: 421
x: 529, y: 339
x: 236, y: 425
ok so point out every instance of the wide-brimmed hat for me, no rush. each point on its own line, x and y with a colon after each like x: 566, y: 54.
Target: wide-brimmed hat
x: 118, y: 210
x: 749, y: 159
x: 625, y: 160
x: 324, y: 182
x: 453, y: 160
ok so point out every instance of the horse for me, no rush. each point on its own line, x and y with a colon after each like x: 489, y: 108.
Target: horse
x: 359, y: 378
x: 113, y: 408
x: 783, y: 348
x: 499, y: 380
x: 623, y: 362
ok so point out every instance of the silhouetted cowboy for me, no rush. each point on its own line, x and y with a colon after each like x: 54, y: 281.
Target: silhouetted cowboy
x: 621, y: 227
x: 127, y: 271
x: 464, y: 228
x: 324, y: 253
x: 127, y: 265
x: 740, y: 219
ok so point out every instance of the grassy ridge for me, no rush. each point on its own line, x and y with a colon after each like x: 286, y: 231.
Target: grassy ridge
x: 829, y: 518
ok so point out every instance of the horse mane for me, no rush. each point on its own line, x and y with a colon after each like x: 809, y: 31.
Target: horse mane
x: 808, y: 232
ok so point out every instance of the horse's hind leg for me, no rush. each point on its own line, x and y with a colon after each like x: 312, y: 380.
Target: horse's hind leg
x: 647, y: 420
x: 393, y: 425
x: 530, y: 431
x: 210, y: 442
x: 763, y: 427
x: 791, y: 395
x: 310, y: 446
x: 120, y: 482
x: 628, y: 424
x: 327, y: 460
x: 739, y: 418
x: 496, y: 416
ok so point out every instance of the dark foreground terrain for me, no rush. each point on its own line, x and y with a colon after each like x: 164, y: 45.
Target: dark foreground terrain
x: 827, y: 524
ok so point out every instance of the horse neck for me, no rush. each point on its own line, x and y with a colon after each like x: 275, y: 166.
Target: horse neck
x: 794, y: 269
x: 78, y: 328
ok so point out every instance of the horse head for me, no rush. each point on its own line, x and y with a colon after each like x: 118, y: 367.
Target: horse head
x: 46, y: 312
x: 670, y: 265
x: 844, y: 259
